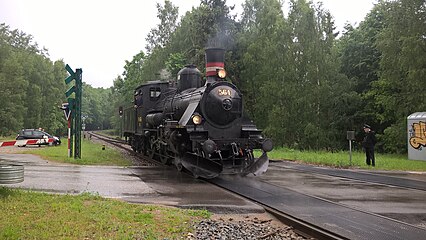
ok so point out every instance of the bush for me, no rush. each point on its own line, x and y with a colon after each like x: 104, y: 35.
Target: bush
x: 394, y: 138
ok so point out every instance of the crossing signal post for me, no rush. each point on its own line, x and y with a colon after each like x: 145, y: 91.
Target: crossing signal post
x: 75, y: 110
x: 120, y: 113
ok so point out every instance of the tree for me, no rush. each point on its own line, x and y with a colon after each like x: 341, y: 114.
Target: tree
x: 398, y: 90
x: 133, y: 73
x: 208, y: 25
x: 360, y: 59
x: 159, y: 37
x: 175, y: 63
x: 31, y: 85
x: 263, y: 53
x: 317, y: 86
x: 96, y: 107
x: 12, y: 97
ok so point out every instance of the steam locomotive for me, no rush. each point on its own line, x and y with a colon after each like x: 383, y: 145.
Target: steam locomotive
x: 196, y: 125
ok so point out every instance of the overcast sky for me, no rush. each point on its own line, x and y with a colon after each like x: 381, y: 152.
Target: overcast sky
x: 98, y: 35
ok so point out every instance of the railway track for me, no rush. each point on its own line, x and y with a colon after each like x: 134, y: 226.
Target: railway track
x: 320, y: 218
x: 301, y: 227
x: 124, y: 146
x: 116, y: 142
x: 309, y: 215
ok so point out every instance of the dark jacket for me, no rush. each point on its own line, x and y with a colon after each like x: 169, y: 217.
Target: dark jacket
x: 369, y: 140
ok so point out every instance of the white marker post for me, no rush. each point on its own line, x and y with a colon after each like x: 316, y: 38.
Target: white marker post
x: 69, y: 137
x: 67, y: 113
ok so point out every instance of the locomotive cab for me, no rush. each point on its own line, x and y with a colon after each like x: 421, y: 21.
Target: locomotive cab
x: 147, y: 96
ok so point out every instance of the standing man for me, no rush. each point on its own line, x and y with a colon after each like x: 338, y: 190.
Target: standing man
x: 368, y: 144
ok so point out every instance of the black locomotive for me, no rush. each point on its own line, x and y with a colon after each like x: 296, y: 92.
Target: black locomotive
x: 195, y: 124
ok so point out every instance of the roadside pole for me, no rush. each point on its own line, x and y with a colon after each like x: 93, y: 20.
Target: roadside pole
x: 68, y: 109
x: 350, y: 152
x: 120, y: 113
x: 69, y: 137
x: 350, y: 136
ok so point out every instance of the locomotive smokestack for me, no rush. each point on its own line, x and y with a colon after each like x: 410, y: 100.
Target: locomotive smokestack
x: 215, y: 59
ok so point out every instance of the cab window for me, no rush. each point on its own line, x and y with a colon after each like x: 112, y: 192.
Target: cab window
x: 154, y: 93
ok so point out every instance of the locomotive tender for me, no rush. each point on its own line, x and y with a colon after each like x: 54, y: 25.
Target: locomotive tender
x: 195, y: 125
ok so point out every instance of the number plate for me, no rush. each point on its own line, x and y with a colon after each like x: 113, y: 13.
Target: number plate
x: 224, y: 92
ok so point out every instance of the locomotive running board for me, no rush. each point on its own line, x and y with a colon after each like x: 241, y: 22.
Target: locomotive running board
x: 200, y: 166
x: 260, y: 166
x: 188, y: 113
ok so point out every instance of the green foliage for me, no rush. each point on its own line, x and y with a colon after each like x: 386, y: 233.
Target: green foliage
x: 394, y: 137
x: 265, y: 36
x: 32, y: 86
x: 403, y: 67
x: 159, y: 37
x: 303, y: 86
x: 133, y: 72
x: 383, y: 57
x: 289, y: 73
x: 208, y: 25
x: 30, y: 215
x: 96, y: 108
x: 175, y: 63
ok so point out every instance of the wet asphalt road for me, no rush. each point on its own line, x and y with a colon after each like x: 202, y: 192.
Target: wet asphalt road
x: 150, y: 185
x: 158, y: 185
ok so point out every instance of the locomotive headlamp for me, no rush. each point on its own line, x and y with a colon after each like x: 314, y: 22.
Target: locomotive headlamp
x: 221, y: 73
x: 196, y: 119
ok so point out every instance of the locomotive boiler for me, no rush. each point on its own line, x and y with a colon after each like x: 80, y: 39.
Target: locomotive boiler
x: 198, y: 125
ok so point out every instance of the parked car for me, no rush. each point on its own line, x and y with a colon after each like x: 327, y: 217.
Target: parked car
x: 37, y: 134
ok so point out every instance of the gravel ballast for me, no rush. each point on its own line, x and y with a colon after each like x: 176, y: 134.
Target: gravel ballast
x: 243, y: 227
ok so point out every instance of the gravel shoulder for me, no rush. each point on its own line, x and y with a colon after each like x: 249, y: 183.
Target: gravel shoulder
x: 244, y: 226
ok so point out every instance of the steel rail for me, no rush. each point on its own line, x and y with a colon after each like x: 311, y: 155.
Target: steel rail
x: 303, y: 228
x: 123, y: 145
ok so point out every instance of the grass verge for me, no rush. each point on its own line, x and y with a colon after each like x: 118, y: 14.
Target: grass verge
x: 91, y: 154
x: 341, y: 159
x: 31, y: 215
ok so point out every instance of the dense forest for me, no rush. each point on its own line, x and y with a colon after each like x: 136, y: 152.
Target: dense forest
x: 32, y: 89
x: 30, y: 85
x: 304, y: 83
